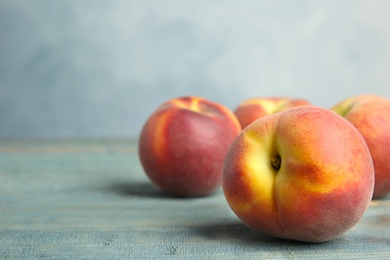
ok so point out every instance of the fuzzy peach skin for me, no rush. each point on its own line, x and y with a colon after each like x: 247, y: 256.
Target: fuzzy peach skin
x: 303, y: 174
x: 370, y: 114
x: 254, y: 108
x: 183, y: 144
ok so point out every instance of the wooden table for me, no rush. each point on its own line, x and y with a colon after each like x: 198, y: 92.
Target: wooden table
x: 91, y: 199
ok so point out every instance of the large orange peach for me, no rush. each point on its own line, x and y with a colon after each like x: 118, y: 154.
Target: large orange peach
x: 254, y: 108
x: 183, y: 144
x: 370, y: 114
x: 302, y: 174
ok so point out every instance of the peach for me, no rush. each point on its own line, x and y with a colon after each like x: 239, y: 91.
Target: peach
x: 254, y: 108
x: 183, y: 144
x: 302, y: 174
x: 370, y: 114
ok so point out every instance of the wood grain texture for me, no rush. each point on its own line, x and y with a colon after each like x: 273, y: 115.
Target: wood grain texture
x: 91, y: 200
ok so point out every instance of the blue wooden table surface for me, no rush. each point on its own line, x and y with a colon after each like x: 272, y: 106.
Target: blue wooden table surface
x: 90, y: 199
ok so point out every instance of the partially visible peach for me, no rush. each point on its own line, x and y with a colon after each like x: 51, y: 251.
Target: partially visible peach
x: 251, y: 109
x: 370, y: 114
x: 302, y: 174
x: 183, y: 144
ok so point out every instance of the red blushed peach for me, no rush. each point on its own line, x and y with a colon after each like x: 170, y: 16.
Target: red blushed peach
x: 255, y: 108
x: 370, y: 114
x: 183, y: 144
x: 302, y: 174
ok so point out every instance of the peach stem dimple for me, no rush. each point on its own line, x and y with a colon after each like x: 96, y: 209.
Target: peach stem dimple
x: 276, y: 162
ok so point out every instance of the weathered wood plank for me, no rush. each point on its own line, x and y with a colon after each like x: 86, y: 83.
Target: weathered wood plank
x: 90, y: 199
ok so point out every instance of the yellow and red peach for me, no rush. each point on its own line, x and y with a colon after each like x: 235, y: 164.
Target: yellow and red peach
x: 183, y: 144
x: 370, y: 114
x: 254, y: 108
x: 302, y: 174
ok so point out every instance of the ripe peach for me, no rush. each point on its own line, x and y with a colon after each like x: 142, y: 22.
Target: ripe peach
x: 370, y: 114
x: 251, y: 109
x: 302, y: 174
x: 183, y: 144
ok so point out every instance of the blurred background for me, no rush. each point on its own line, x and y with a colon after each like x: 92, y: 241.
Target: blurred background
x: 100, y: 68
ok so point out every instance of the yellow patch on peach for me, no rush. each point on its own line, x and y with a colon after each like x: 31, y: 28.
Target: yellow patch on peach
x: 200, y: 105
x: 160, y: 128
x: 258, y: 161
x: 267, y: 104
x: 344, y: 107
x: 259, y: 172
x: 190, y: 104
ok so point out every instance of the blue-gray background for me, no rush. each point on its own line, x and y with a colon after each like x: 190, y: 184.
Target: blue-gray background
x: 99, y: 68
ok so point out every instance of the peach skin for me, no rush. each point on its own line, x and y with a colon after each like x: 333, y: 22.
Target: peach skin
x: 254, y: 108
x: 183, y: 144
x: 370, y: 114
x: 302, y: 174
